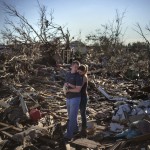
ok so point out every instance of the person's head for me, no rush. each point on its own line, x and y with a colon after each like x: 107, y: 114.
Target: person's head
x: 74, y: 66
x: 83, y: 69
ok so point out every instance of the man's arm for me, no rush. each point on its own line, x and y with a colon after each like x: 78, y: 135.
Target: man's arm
x: 71, y: 85
x: 75, y: 90
x: 78, y: 86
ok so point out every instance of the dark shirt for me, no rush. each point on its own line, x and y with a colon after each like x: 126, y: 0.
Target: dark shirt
x: 74, y: 79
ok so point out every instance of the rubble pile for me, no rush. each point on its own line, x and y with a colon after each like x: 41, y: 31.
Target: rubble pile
x: 33, y: 111
x: 129, y: 64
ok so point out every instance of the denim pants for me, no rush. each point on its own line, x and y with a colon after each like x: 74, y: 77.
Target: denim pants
x: 83, y: 104
x: 72, y: 108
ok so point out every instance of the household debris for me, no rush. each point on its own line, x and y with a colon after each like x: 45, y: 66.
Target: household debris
x: 33, y: 108
x: 135, y: 129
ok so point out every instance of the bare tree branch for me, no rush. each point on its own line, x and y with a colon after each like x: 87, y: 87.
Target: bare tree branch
x: 140, y: 32
x: 23, y: 31
x: 110, y: 34
x: 13, y: 12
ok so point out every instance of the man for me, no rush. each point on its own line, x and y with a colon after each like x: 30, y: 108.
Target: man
x: 74, y: 84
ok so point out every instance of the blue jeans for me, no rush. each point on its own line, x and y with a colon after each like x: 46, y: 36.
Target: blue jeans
x: 72, y: 108
x: 83, y: 104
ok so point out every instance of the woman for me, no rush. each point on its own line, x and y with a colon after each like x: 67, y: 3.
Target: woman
x: 82, y: 70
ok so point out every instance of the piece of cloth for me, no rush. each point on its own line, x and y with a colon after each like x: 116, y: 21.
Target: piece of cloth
x: 83, y: 103
x: 72, y: 109
x: 74, y: 79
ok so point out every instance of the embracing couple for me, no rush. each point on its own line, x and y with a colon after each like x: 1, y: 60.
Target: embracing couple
x: 76, y: 82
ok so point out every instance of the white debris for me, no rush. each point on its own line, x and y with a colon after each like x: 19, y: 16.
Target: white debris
x: 125, y: 110
x: 116, y: 127
x: 120, y: 114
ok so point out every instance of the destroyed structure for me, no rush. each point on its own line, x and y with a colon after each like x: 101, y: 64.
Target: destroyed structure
x: 33, y: 112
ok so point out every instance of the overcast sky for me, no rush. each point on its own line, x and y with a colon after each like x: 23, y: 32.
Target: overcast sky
x: 87, y: 15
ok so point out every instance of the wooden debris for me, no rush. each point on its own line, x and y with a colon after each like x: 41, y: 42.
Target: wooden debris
x: 3, y: 143
x: 148, y: 147
x: 84, y: 143
x: 7, y: 134
x: 38, y: 85
x: 10, y: 126
x: 4, y: 104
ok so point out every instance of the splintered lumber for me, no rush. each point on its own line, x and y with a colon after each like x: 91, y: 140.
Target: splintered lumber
x: 61, y: 111
x: 23, y: 103
x: 9, y: 126
x: 119, y: 145
x: 84, y: 143
x: 7, y: 134
x: 5, y: 128
x: 116, y: 145
x: 110, y: 97
x: 94, y: 71
x: 3, y: 143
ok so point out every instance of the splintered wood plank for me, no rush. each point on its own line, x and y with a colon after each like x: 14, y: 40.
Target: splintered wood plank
x: 5, y: 128
x: 84, y: 143
x: 116, y: 145
x: 61, y: 111
x: 123, y: 144
x: 7, y: 134
x: 13, y: 127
